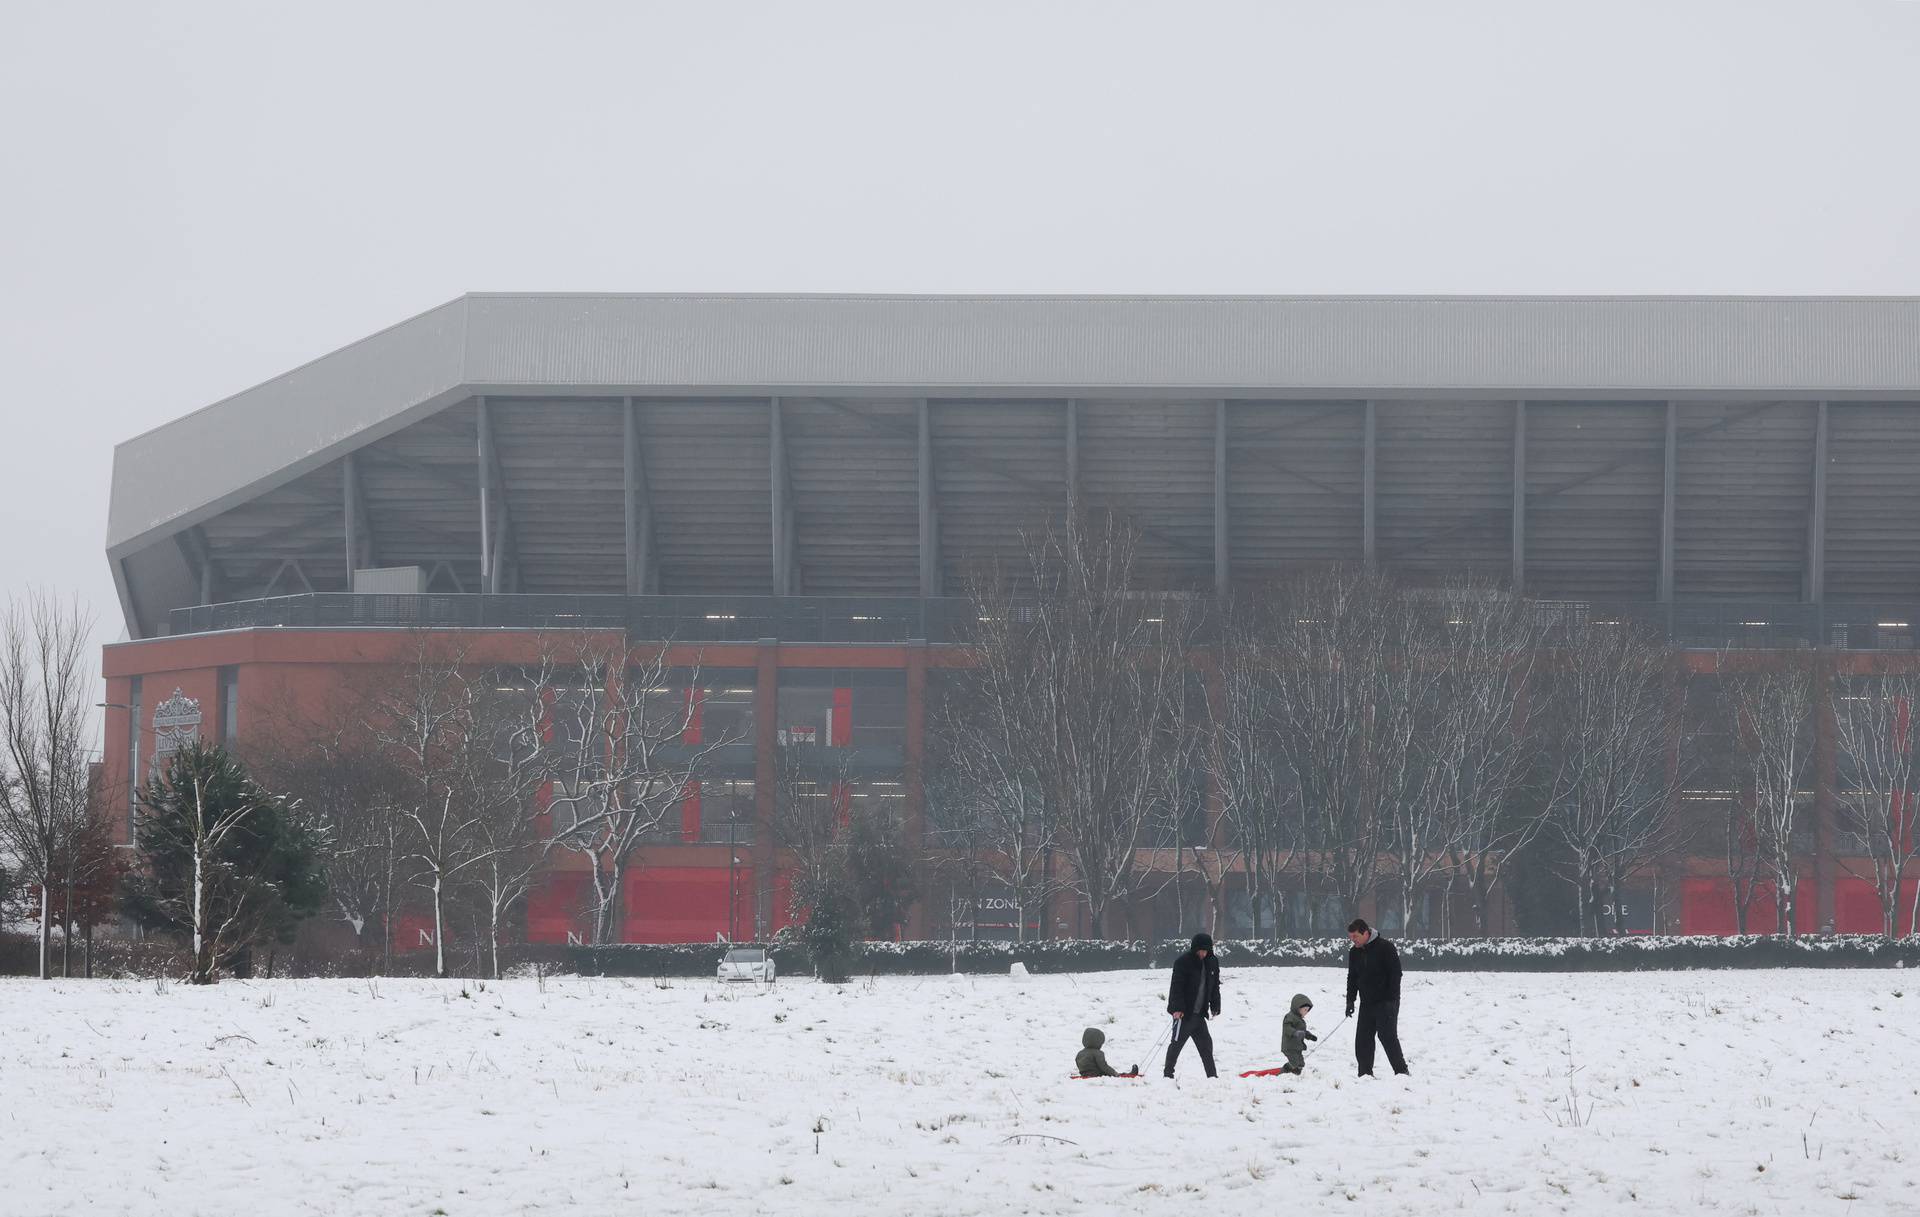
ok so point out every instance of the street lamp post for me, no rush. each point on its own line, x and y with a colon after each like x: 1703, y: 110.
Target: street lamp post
x: 733, y: 859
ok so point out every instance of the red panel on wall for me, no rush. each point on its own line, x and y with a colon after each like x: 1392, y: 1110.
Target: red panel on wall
x: 1856, y: 907
x: 782, y: 901
x: 414, y: 931
x: 557, y: 907
x: 686, y: 904
x: 690, y: 813
x: 1706, y: 907
x: 842, y: 718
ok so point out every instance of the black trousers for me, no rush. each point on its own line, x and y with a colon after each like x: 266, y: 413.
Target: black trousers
x: 1381, y: 1019
x: 1296, y: 1061
x: 1194, y: 1028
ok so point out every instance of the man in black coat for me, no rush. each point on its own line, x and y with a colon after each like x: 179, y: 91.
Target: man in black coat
x: 1193, y: 995
x: 1373, y: 975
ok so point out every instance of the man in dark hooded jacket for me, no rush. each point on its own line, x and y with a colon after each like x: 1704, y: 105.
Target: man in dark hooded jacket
x: 1373, y: 976
x: 1193, y: 995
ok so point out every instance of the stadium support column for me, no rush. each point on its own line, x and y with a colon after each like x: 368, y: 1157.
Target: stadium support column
x: 1073, y: 452
x: 766, y: 776
x: 639, y: 505
x: 782, y: 492
x: 1222, y: 569
x: 1519, y: 498
x: 929, y: 506
x: 1668, y: 480
x: 1814, y: 584
x: 1367, y: 546
x: 359, y: 526
x: 485, y: 460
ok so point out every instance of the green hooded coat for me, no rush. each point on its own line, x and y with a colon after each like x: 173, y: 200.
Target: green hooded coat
x: 1090, y: 1062
x: 1293, y: 1029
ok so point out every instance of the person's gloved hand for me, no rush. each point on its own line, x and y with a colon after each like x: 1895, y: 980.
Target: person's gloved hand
x: 1349, y: 1009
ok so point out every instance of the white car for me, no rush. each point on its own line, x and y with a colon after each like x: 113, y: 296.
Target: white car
x: 747, y: 963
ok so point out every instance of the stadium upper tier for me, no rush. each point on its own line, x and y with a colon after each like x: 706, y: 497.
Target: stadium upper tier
x: 1627, y: 449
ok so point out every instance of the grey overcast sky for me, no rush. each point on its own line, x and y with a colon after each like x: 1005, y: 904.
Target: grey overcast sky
x: 195, y: 197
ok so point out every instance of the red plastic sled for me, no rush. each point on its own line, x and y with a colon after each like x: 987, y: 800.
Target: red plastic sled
x: 1263, y: 1073
x: 1094, y: 1077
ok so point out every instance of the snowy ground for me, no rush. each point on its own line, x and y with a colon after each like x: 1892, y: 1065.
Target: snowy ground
x: 1723, y: 1092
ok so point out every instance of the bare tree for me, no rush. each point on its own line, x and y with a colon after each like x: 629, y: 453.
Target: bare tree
x: 349, y: 789
x: 500, y: 777
x: 1478, y: 747
x: 46, y: 688
x: 985, y: 802
x: 1348, y: 710
x: 1259, y: 801
x: 1089, y: 674
x: 621, y: 733
x: 87, y: 869
x: 1873, y: 717
x: 1617, y: 711
x: 468, y: 743
x: 1772, y: 740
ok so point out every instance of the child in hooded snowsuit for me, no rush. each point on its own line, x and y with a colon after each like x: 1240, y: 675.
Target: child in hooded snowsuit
x: 1091, y: 1062
x: 1294, y: 1035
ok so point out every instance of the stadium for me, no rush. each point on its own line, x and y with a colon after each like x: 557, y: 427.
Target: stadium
x: 797, y: 489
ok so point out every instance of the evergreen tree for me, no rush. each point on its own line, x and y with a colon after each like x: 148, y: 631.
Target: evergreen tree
x: 830, y: 911
x: 880, y: 868
x: 225, y: 865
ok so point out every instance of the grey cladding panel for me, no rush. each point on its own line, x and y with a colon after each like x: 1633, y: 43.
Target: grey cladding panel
x: 1741, y: 490
x: 707, y: 470
x: 1152, y: 461
x: 563, y: 483
x: 856, y: 494
x: 1444, y: 474
x: 1000, y: 474
x: 1873, y: 501
x: 1294, y: 483
x: 1593, y: 498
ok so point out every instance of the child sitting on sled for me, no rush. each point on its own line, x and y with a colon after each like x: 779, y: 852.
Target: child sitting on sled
x: 1091, y: 1062
x: 1294, y: 1035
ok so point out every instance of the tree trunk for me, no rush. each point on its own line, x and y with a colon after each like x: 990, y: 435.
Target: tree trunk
x: 66, y: 933
x: 203, y: 964
x: 493, y: 934
x: 46, y: 972
x: 439, y: 933
x: 89, y: 940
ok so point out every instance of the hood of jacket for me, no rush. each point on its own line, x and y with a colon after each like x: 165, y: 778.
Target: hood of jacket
x: 1299, y: 1000
x: 1092, y: 1037
x: 1202, y: 942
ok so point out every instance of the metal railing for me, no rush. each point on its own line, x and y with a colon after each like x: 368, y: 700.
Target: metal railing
x: 1694, y: 625
x: 675, y: 618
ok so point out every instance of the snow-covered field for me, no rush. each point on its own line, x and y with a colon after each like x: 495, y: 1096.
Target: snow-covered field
x: 1726, y: 1092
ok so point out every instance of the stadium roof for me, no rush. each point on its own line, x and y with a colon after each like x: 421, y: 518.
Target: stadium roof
x: 1150, y: 347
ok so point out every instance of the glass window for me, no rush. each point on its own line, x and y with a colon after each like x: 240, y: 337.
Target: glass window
x: 723, y: 704
x: 726, y: 811
x: 229, y: 705
x: 842, y: 707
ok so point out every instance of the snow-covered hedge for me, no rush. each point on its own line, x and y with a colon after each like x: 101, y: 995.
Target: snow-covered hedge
x: 1457, y: 955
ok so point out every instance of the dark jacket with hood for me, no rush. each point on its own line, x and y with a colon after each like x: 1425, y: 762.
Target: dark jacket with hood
x: 1373, y: 971
x: 1293, y: 1028
x: 1189, y: 973
x: 1091, y: 1062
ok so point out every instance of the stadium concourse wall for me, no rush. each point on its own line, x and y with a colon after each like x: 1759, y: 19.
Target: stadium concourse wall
x: 123, y: 958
